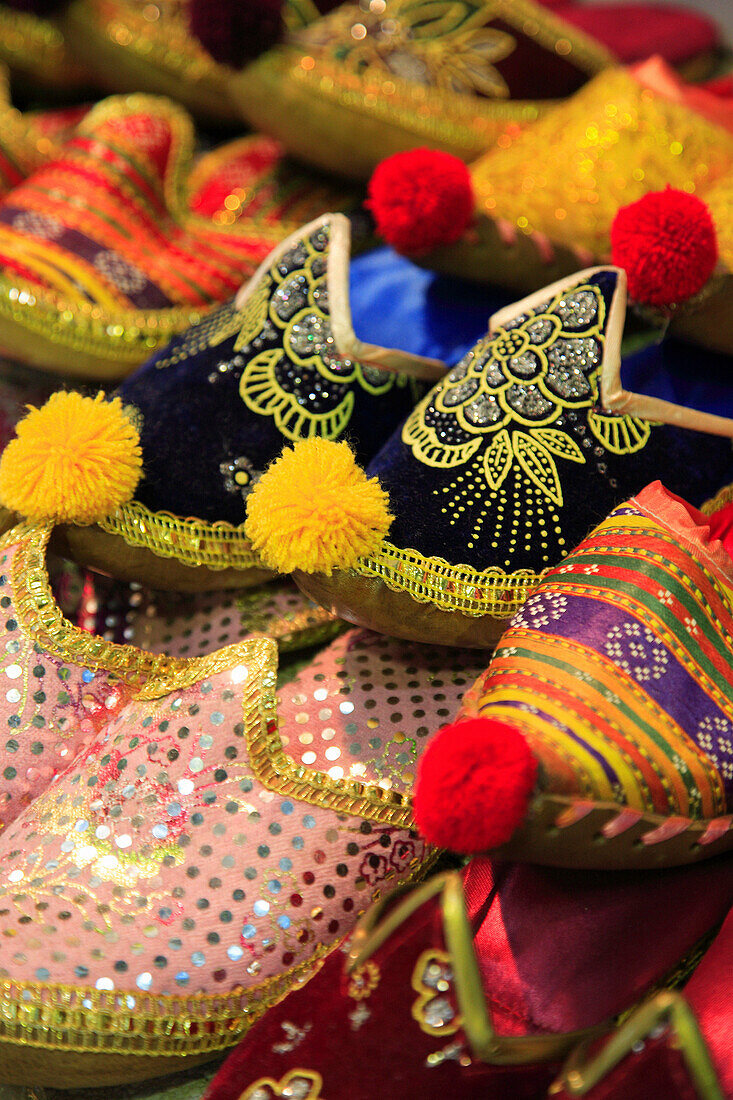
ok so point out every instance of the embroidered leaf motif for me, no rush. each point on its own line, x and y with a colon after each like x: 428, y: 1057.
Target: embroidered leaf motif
x: 538, y: 464
x: 559, y: 443
x: 246, y: 321
x: 498, y: 459
x: 622, y: 435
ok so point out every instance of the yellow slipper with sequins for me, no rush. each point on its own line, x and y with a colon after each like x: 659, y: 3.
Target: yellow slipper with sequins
x: 520, y: 218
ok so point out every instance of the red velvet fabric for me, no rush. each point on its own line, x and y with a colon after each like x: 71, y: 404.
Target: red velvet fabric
x: 558, y: 950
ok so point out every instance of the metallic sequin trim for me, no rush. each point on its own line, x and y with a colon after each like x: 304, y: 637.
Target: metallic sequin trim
x: 193, y: 542
x: 450, y: 587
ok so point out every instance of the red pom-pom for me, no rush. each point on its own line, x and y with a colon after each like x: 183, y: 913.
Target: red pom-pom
x: 421, y: 199
x: 666, y: 242
x: 473, y: 785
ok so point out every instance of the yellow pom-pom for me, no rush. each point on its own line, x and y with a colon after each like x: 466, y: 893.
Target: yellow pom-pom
x: 75, y: 460
x: 316, y: 510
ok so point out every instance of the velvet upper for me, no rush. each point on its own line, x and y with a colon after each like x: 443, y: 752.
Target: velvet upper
x: 510, y: 460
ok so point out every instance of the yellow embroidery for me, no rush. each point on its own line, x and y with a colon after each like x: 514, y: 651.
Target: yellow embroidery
x: 622, y: 435
x: 305, y: 1084
x: 431, y: 979
x: 301, y: 381
x: 449, y: 45
x: 364, y: 980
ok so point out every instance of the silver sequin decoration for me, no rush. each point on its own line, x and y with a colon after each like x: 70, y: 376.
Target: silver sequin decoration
x: 460, y: 393
x: 528, y: 401
x: 525, y: 365
x: 579, y: 309
x: 484, y: 410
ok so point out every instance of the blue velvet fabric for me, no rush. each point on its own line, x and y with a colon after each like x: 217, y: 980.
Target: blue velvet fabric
x: 486, y: 495
x: 194, y: 424
x: 396, y: 304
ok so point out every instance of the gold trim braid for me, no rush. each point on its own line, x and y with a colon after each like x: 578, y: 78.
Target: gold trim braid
x: 57, y: 1017
x: 42, y: 619
x: 450, y: 587
x: 191, y: 541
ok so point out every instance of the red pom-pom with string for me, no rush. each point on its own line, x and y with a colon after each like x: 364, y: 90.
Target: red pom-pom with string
x: 421, y: 199
x: 474, y: 784
x: 666, y: 242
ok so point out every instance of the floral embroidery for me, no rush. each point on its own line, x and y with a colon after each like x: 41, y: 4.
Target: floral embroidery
x: 447, y: 46
x: 294, y: 372
x: 526, y: 375
x: 294, y: 1036
x: 434, y: 1009
x: 520, y: 406
x: 381, y: 861
x: 298, y: 1084
x: 364, y: 981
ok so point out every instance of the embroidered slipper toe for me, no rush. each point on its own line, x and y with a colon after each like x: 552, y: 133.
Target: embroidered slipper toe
x: 503, y: 467
x: 361, y: 83
x: 520, y: 221
x: 281, y: 362
x: 473, y: 985
x: 678, y: 1044
x: 601, y: 733
x: 187, y: 849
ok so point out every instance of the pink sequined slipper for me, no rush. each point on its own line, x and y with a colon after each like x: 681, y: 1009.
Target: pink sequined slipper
x: 179, y: 851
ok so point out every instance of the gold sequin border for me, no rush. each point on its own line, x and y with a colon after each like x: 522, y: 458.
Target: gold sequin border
x: 450, y: 587
x: 191, y: 541
x: 157, y: 675
x: 41, y: 618
x: 89, y: 1020
x: 84, y: 1019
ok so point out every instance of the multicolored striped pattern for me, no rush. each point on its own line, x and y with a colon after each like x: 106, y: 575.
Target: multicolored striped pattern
x: 619, y: 669
x: 106, y: 222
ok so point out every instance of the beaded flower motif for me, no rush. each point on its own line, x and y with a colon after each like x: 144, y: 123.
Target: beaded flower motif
x: 502, y: 404
x: 294, y: 372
